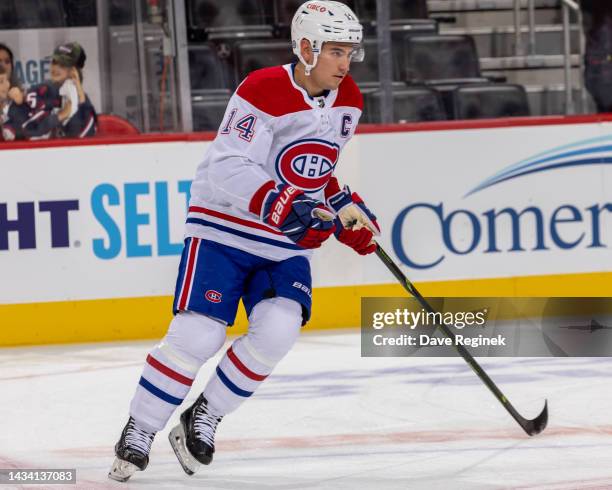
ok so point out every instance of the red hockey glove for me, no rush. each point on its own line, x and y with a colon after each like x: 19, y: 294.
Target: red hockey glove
x: 360, y: 240
x: 352, y: 211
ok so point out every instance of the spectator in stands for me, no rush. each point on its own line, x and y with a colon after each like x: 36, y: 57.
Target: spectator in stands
x: 55, y: 108
x: 67, y: 73
x: 7, y: 106
x: 597, y: 22
x: 7, y: 60
x: 37, y: 118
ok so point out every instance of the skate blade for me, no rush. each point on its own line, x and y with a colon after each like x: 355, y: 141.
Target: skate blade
x: 122, y: 470
x: 177, y: 441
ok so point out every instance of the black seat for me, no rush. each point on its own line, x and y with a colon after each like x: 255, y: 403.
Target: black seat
x: 400, y: 9
x: 206, y: 70
x: 251, y: 56
x: 408, y: 28
x: 484, y: 101
x: 80, y: 13
x: 365, y: 73
x: 40, y: 13
x: 120, y: 13
x: 8, y: 15
x: 228, y: 19
x: 222, y: 13
x: 440, y: 57
x: 411, y: 104
x: 207, y: 112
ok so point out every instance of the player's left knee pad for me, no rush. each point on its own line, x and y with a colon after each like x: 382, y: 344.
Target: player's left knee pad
x: 274, y: 325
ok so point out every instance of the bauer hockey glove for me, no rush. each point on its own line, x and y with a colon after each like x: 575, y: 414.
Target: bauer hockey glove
x: 294, y: 213
x: 352, y: 211
x: 360, y: 240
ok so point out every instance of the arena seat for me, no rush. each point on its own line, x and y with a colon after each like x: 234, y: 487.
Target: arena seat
x: 253, y: 55
x: 206, y: 70
x: 410, y: 104
x: 440, y: 57
x: 120, y: 13
x: 207, y: 112
x: 366, y: 72
x: 8, y: 15
x: 80, y: 12
x: 33, y: 14
x: 400, y: 9
x: 228, y: 19
x: 112, y: 125
x: 483, y: 101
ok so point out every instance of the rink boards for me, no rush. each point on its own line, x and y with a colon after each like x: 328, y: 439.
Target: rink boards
x: 91, y: 234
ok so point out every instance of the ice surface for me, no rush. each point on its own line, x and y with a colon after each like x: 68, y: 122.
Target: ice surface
x: 326, y: 418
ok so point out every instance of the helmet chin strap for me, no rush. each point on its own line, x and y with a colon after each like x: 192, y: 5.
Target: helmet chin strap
x: 315, y: 56
x: 308, y: 67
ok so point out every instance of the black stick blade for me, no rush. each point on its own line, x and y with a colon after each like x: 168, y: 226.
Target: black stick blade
x: 537, y: 425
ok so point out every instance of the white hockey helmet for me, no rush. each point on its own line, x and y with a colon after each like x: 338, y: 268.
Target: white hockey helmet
x: 322, y: 21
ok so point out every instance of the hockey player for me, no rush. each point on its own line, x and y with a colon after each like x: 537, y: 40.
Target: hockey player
x: 259, y: 204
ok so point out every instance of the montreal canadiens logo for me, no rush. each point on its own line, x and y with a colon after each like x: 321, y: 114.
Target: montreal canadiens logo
x: 307, y: 164
x: 213, y: 296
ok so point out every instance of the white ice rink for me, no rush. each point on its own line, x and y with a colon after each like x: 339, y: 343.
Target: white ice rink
x: 326, y: 418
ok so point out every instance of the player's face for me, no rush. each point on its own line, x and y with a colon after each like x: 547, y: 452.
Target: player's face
x: 5, y: 60
x: 5, y: 85
x: 332, y: 65
x: 59, y: 73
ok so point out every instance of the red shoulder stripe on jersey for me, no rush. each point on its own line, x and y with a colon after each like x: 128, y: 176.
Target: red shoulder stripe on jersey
x: 349, y: 94
x: 271, y: 91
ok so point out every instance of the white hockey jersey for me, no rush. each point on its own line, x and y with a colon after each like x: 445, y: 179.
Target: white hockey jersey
x: 272, y: 131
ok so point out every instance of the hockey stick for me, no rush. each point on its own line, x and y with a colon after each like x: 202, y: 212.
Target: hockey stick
x: 531, y: 427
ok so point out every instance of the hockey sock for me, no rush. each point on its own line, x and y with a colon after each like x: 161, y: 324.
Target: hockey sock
x: 172, y: 366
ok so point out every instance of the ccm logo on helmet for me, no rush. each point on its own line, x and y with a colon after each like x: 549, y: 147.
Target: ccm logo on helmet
x: 307, y: 164
x: 213, y: 296
x: 318, y: 8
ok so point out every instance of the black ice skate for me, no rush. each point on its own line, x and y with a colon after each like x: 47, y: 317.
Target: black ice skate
x: 132, y: 451
x: 193, y: 440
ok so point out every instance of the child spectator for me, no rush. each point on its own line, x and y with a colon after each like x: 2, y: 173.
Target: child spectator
x: 11, y: 117
x: 36, y: 118
x: 67, y: 73
x: 58, y: 107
